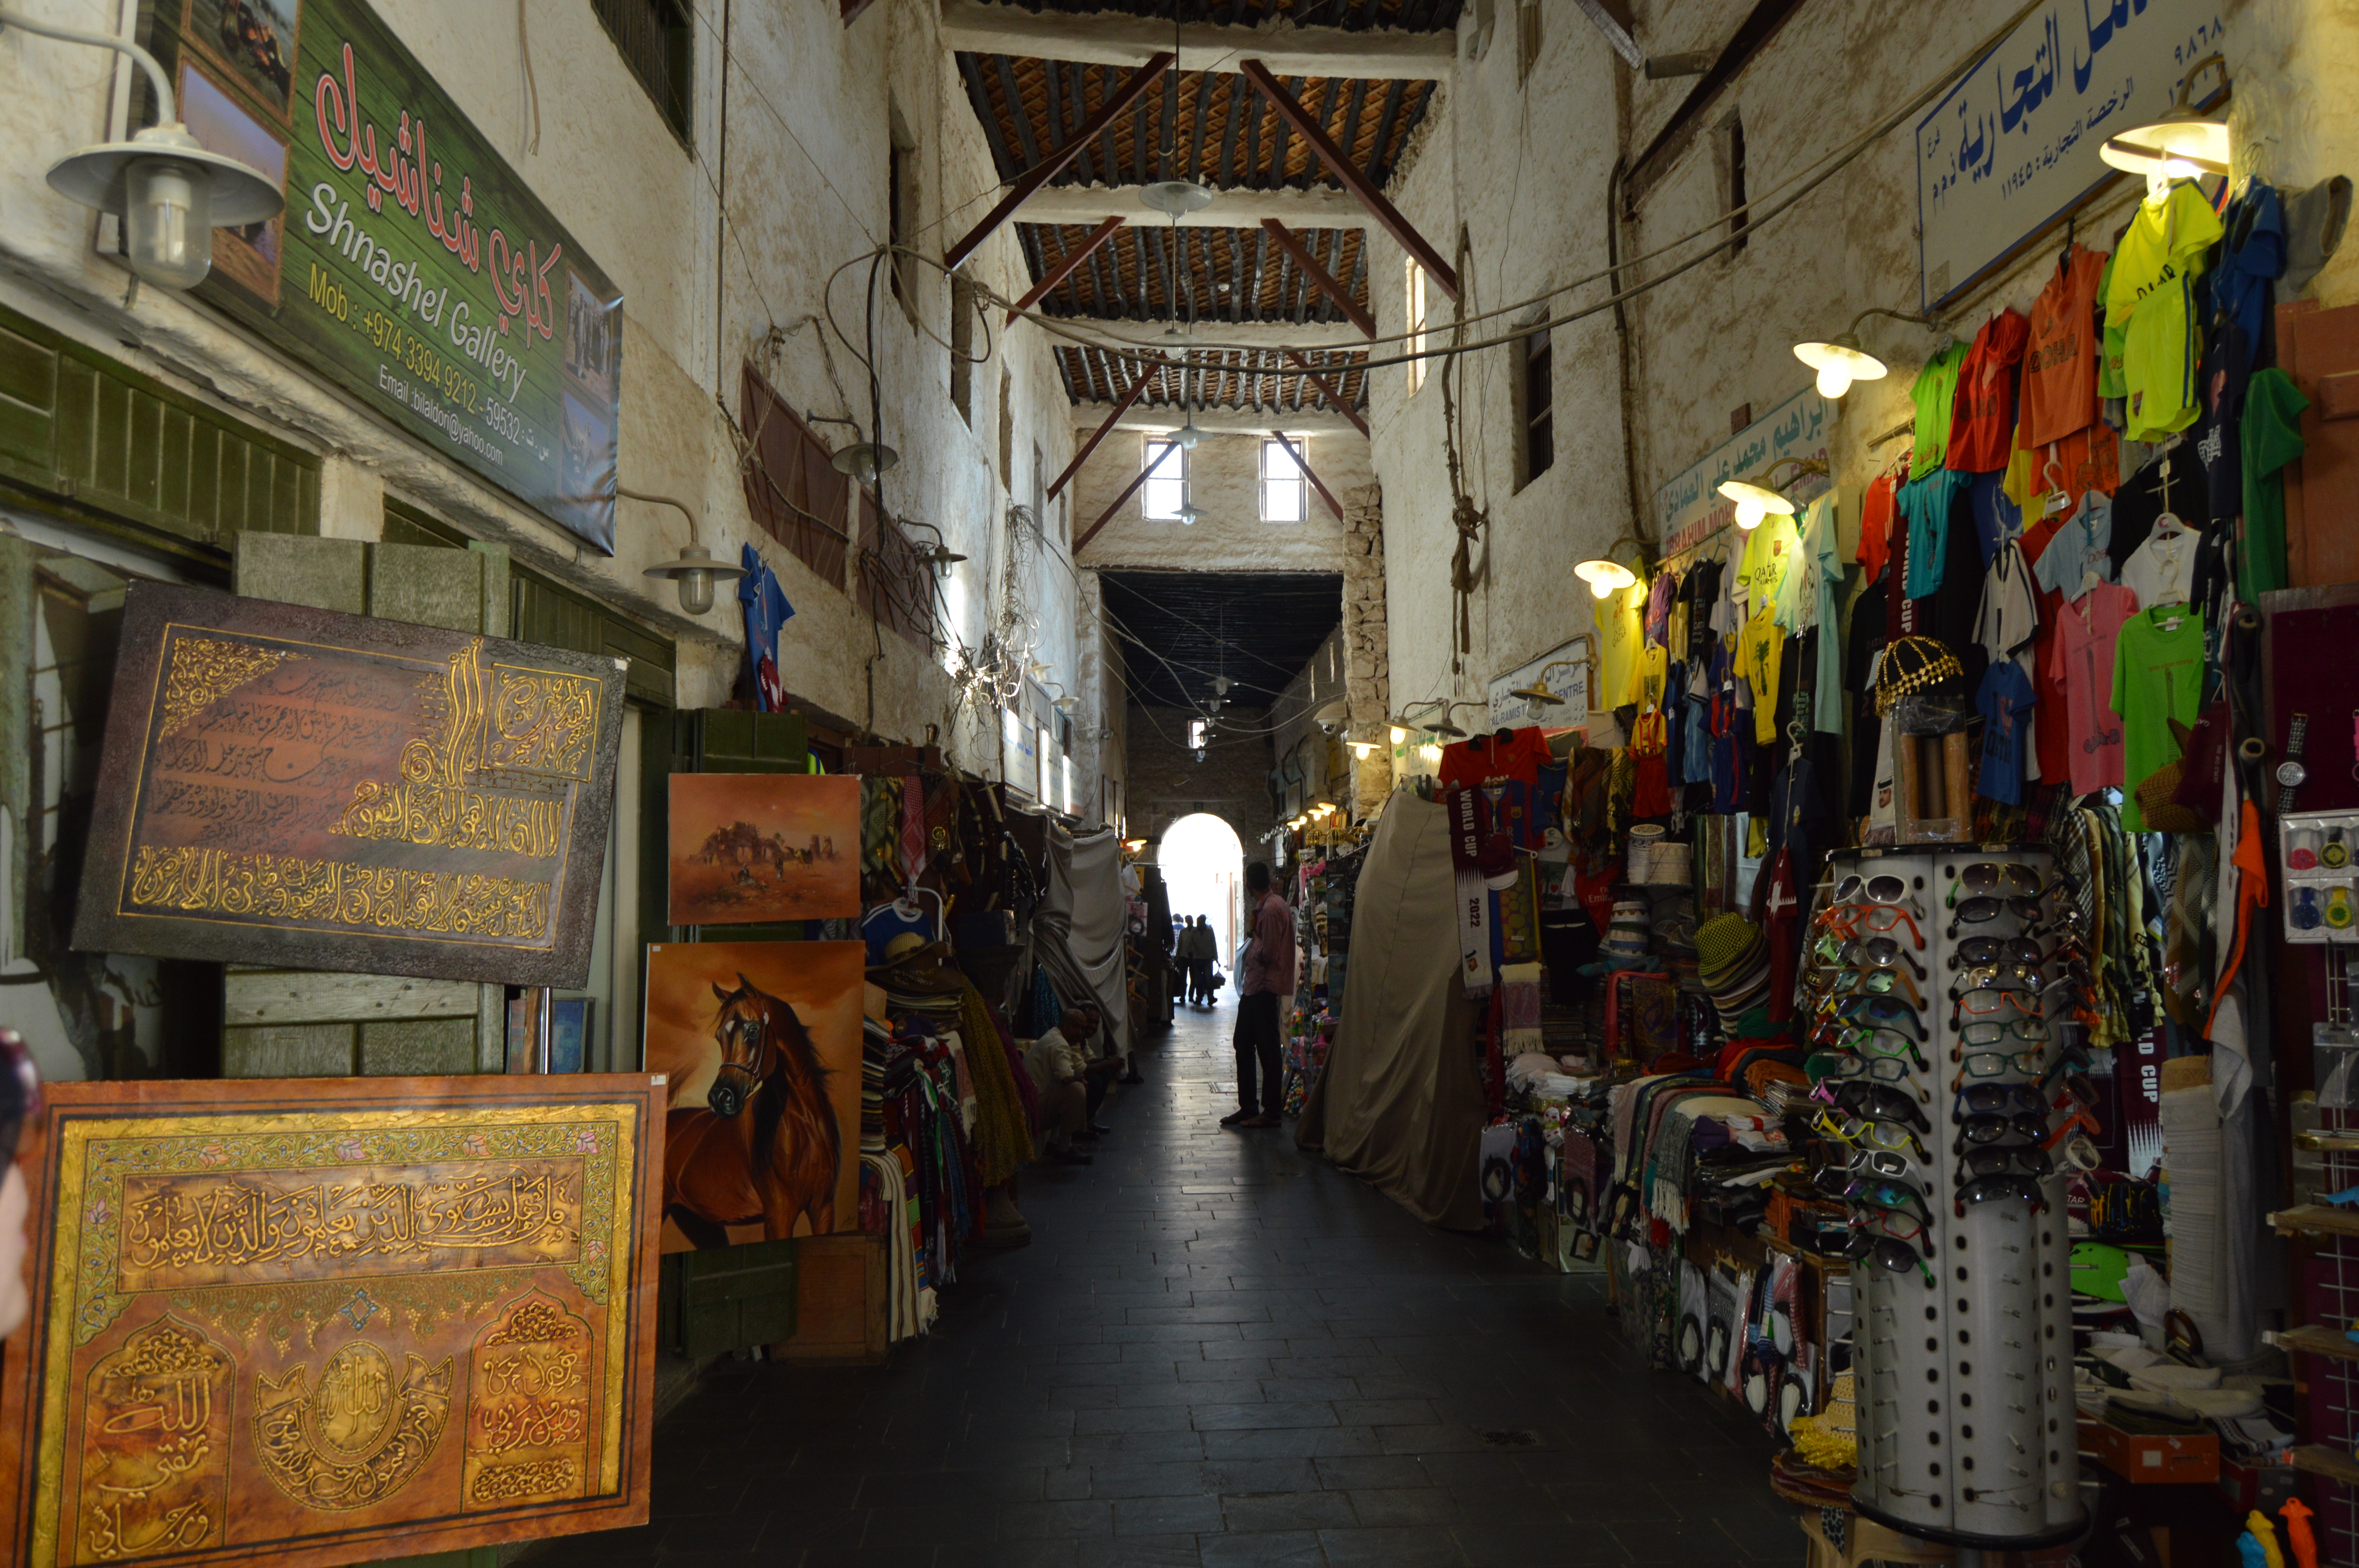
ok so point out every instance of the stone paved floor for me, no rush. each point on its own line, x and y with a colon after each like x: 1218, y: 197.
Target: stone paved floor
x: 1217, y: 1351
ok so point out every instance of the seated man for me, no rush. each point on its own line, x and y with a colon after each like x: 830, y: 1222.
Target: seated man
x: 1071, y: 1081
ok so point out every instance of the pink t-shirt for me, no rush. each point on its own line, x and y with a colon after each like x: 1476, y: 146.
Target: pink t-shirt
x: 2080, y: 661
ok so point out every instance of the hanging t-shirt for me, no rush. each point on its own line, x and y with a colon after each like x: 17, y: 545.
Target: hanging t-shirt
x: 2009, y: 617
x: 2252, y: 255
x: 2059, y: 361
x: 2157, y: 677
x: 1768, y: 553
x: 1705, y: 578
x: 1620, y: 619
x: 1650, y: 675
x: 1862, y: 645
x: 1996, y: 517
x: 2076, y: 546
x: 766, y: 612
x: 2216, y: 438
x: 1875, y: 514
x: 2050, y: 748
x: 1660, y: 594
x: 2113, y: 327
x: 1760, y: 649
x: 2162, y: 570
x: 2271, y: 439
x: 2081, y: 662
x: 2151, y: 289
x: 1822, y: 559
x: 2006, y: 703
x: 1926, y: 503
x: 1933, y: 392
x: 1982, y: 418
x: 2167, y: 484
x: 1479, y: 759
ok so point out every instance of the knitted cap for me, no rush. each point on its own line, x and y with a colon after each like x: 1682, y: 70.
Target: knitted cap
x: 1723, y: 945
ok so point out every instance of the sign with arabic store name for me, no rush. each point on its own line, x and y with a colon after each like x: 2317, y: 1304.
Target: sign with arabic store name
x: 412, y: 267
x: 1690, y: 509
x: 318, y: 1321
x: 293, y: 787
x: 2013, y: 147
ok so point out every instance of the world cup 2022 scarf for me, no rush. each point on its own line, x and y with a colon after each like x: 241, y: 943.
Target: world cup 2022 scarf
x: 1474, y: 913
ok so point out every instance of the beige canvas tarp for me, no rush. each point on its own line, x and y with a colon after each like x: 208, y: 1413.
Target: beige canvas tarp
x: 1400, y: 1105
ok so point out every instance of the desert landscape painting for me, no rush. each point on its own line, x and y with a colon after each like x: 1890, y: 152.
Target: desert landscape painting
x: 747, y: 848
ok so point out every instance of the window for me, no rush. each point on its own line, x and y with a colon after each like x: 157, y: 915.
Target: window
x: 658, y: 40
x: 1413, y: 323
x: 901, y: 221
x: 793, y: 493
x: 1527, y: 39
x: 962, y: 348
x: 1167, y: 480
x: 1535, y: 406
x: 1739, y: 219
x: 1283, y: 497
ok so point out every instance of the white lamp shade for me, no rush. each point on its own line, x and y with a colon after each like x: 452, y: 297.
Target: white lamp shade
x: 1840, y: 363
x: 96, y: 176
x: 1604, y: 577
x: 1754, y: 502
x: 2180, y: 144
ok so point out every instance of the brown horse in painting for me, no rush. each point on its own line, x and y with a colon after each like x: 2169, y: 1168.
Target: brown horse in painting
x: 768, y: 1148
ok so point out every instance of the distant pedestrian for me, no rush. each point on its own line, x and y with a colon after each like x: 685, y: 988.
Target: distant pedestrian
x: 1265, y: 980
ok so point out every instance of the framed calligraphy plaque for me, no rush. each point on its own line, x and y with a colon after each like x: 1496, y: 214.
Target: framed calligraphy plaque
x: 320, y: 1321
x: 311, y: 789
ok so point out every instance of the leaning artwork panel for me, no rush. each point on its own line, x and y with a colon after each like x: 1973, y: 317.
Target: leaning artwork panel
x: 316, y: 1321
x: 760, y: 1044
x: 752, y: 848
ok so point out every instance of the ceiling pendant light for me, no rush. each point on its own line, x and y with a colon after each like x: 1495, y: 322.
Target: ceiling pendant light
x: 2181, y: 145
x: 1189, y: 513
x: 1843, y: 359
x: 169, y: 192
x: 1605, y: 578
x: 1171, y: 196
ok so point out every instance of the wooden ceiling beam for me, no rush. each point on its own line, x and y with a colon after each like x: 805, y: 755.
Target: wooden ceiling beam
x: 1319, y: 207
x: 1064, y: 269
x: 1303, y: 463
x: 1335, y: 398
x: 1119, y: 410
x: 1321, y: 279
x: 1388, y: 217
x: 1040, y: 173
x: 1232, y: 419
x: 1116, y: 505
x: 1108, y: 38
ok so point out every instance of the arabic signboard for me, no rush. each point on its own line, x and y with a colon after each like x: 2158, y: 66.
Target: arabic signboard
x: 1690, y: 508
x: 413, y: 267
x: 2014, y: 145
x: 296, y: 787
x: 1564, y: 670
x: 321, y: 1320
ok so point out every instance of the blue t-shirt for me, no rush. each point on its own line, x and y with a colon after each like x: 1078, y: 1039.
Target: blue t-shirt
x: 1926, y: 503
x: 2006, y: 703
x: 2252, y: 253
x: 2078, y: 547
x: 766, y: 611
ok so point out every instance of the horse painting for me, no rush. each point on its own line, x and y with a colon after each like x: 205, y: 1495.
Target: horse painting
x: 766, y: 1147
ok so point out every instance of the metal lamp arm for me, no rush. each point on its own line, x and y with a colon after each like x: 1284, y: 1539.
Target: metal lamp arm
x: 695, y: 532
x: 167, y: 106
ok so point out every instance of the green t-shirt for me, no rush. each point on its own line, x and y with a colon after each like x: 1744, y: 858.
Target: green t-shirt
x: 2271, y: 436
x: 1768, y: 560
x: 2157, y: 676
x: 1933, y: 391
x: 2149, y: 290
x: 2109, y: 349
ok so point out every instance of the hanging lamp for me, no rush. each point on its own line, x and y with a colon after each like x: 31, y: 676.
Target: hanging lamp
x: 2181, y: 145
x: 1844, y: 359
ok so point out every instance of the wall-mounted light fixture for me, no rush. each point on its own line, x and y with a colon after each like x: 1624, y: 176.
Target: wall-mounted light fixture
x: 169, y: 192
x: 2183, y: 143
x: 1844, y: 359
x: 865, y: 458
x: 1757, y: 498
x: 693, y: 572
x: 939, y: 556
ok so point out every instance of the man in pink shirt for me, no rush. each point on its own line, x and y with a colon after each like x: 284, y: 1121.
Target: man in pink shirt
x: 1265, y: 981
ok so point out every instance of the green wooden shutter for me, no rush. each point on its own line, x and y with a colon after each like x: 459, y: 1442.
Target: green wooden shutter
x: 89, y: 434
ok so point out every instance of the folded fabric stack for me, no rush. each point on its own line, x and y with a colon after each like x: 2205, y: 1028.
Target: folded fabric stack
x: 1732, y: 965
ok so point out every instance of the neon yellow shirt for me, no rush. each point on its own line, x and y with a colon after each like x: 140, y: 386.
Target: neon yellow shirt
x: 2151, y: 288
x: 1760, y: 649
x: 1621, y: 623
x: 1770, y: 552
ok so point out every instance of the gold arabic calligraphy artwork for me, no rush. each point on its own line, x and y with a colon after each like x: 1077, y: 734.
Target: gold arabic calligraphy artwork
x: 392, y: 1314
x: 379, y: 796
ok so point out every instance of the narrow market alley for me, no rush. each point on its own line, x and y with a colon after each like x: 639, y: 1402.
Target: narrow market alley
x: 1216, y: 1350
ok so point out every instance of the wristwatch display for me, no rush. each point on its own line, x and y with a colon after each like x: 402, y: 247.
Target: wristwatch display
x: 2290, y: 773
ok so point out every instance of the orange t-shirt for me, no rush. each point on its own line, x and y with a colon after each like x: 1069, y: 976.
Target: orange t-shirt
x: 2059, y: 364
x: 1982, y: 417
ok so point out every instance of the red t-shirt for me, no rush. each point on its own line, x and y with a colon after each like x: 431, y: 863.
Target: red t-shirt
x: 1981, y: 416
x: 1485, y: 757
x: 2054, y: 733
x: 1876, y: 515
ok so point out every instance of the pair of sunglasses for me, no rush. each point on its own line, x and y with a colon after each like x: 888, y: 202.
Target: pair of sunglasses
x: 1878, y: 1069
x: 1891, y: 1195
x: 2000, y: 1099
x: 1996, y: 1189
x: 1880, y: 887
x: 1978, y: 950
x: 1881, y: 1011
x: 2030, y: 1030
x: 2004, y: 878
x: 1882, y: 953
x: 1883, y: 1042
x: 1881, y: 1103
x: 1984, y: 1128
x: 1872, y: 982
x: 1876, y: 919
x: 2029, y: 1163
x: 1983, y: 910
x: 1983, y: 1003
x: 1885, y: 1254
x: 1872, y: 1133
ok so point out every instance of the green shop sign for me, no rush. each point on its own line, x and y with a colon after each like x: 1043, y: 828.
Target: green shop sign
x: 412, y: 265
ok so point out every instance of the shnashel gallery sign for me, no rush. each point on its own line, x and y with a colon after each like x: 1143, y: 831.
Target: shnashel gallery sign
x: 412, y: 267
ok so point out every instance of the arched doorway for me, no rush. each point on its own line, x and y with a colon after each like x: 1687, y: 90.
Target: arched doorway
x: 1204, y: 866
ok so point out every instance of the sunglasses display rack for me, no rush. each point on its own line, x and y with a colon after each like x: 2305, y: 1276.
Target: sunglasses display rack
x: 1962, y: 1337
x: 2319, y: 852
